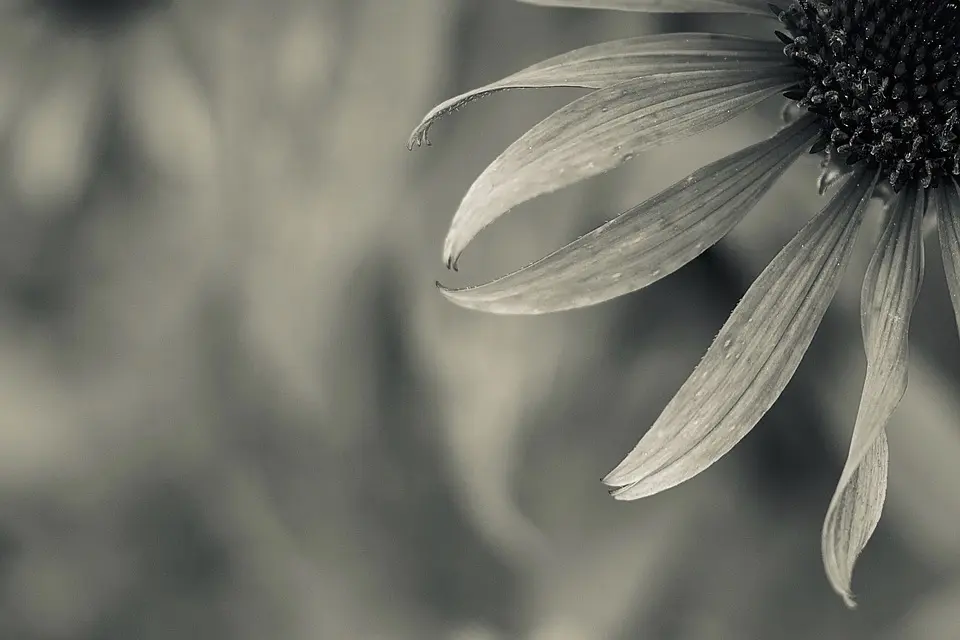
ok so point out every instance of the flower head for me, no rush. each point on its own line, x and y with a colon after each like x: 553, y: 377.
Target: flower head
x: 873, y: 86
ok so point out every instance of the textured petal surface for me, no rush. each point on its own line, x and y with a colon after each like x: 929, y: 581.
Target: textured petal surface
x: 947, y: 199
x: 601, y: 131
x: 649, y: 241
x: 754, y: 356
x: 610, y: 63
x: 889, y: 292
x: 664, y: 6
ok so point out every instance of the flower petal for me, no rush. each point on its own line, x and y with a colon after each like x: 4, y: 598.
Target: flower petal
x: 601, y: 131
x: 853, y: 515
x: 610, y: 63
x: 889, y: 292
x: 759, y: 7
x: 947, y: 198
x: 649, y: 241
x: 753, y: 357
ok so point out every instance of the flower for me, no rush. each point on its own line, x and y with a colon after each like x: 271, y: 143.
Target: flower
x: 75, y: 74
x: 872, y: 85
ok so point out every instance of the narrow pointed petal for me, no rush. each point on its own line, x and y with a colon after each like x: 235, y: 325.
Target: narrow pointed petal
x: 755, y: 354
x: 649, y: 241
x: 757, y: 7
x: 853, y: 515
x: 601, y: 131
x: 611, y: 63
x: 889, y: 293
x: 947, y: 198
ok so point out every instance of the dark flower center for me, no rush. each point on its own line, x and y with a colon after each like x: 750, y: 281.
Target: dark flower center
x: 884, y: 75
x: 97, y: 15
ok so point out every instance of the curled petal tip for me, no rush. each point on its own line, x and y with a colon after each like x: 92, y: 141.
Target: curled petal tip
x: 624, y: 484
x: 842, y: 589
x: 451, y: 258
x: 614, y: 479
x: 447, y: 292
x: 625, y: 474
x: 419, y: 137
x: 627, y: 492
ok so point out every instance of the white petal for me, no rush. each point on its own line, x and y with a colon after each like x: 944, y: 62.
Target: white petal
x: 753, y: 357
x: 649, y: 241
x: 601, y: 131
x: 889, y: 292
x: 853, y: 515
x: 759, y: 7
x: 610, y: 63
x: 947, y: 199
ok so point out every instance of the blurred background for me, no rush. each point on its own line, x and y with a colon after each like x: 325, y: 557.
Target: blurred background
x: 235, y: 406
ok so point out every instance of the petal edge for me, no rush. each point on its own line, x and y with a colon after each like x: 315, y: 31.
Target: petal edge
x: 754, y: 355
x: 608, y: 63
x: 651, y: 240
x: 602, y: 130
x: 890, y: 290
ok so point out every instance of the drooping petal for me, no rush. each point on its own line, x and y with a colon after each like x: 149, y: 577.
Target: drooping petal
x: 853, y: 515
x: 649, y: 241
x: 611, y: 63
x: 601, y: 131
x: 755, y: 354
x: 758, y: 7
x: 889, y: 292
x: 947, y: 198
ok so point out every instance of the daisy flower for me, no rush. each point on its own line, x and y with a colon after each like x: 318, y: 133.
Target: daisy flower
x: 73, y: 70
x: 872, y: 85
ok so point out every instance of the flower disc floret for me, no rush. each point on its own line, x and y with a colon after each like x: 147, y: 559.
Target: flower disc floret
x: 885, y: 79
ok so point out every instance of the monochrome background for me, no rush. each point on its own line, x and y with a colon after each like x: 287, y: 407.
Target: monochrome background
x: 233, y: 404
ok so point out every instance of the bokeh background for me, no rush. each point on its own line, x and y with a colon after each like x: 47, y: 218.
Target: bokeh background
x: 233, y: 405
